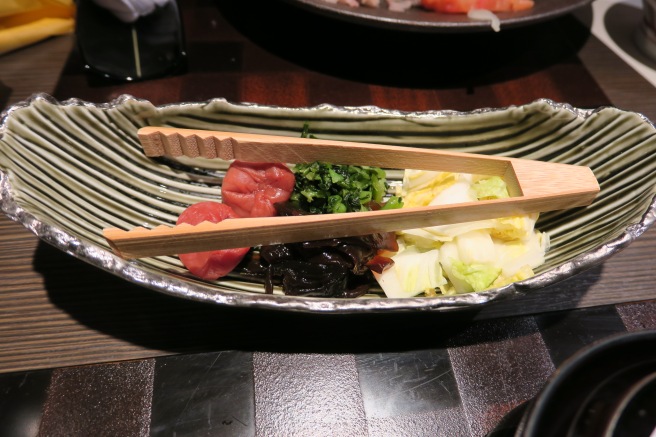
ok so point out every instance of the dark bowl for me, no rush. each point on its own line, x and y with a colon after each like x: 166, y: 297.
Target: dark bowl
x: 607, y: 389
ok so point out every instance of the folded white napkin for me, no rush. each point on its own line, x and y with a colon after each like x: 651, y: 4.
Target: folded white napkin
x: 129, y: 11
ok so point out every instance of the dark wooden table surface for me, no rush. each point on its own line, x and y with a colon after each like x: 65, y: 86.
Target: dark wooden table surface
x: 84, y: 353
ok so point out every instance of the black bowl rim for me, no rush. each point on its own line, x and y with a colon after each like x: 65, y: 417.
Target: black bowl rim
x: 531, y: 422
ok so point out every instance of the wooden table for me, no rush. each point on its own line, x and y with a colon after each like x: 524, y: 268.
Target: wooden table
x: 85, y: 353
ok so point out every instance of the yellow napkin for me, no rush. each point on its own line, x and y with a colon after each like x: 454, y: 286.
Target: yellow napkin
x: 24, y: 22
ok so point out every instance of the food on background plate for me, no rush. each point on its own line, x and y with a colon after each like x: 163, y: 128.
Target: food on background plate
x: 444, y: 6
x: 477, y: 10
x: 393, y: 5
x: 464, y: 6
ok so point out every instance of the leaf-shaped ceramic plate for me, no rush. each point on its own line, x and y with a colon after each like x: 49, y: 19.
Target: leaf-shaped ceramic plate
x: 69, y: 169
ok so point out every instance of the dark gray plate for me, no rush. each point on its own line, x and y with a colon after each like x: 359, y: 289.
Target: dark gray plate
x: 417, y: 19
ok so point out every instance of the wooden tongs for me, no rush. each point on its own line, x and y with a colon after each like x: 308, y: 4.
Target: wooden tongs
x: 534, y: 186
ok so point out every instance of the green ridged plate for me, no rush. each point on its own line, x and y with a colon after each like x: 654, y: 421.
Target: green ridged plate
x: 69, y: 169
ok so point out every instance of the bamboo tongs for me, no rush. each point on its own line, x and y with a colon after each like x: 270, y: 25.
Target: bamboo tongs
x: 534, y: 187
